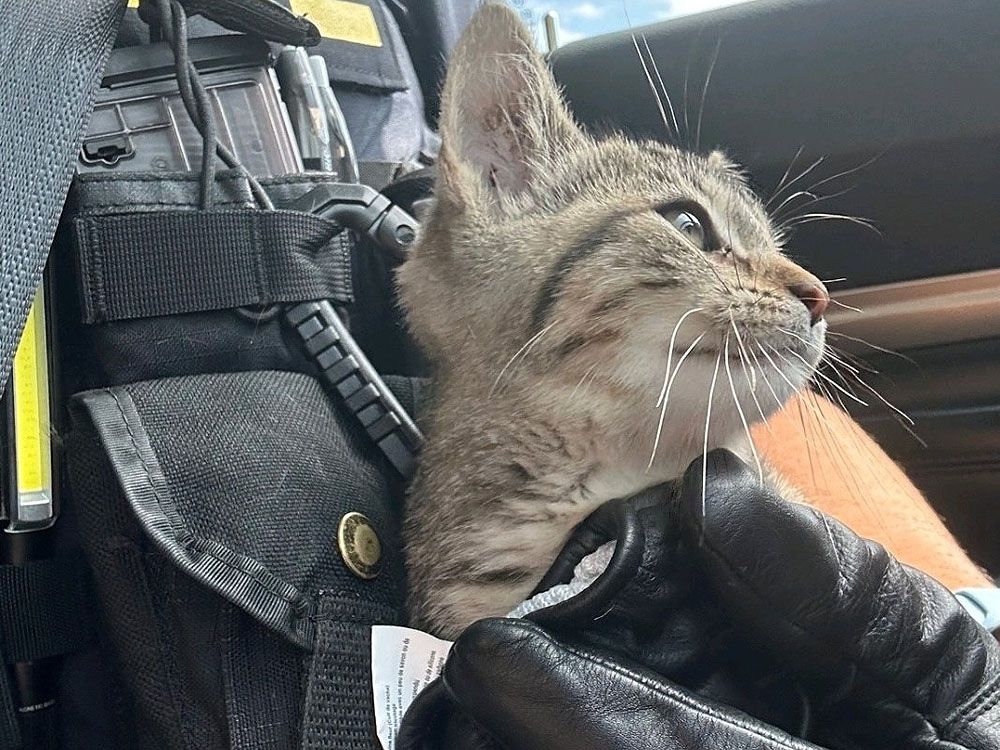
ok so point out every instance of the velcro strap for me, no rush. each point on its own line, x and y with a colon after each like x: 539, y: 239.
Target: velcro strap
x: 46, y: 609
x: 338, y: 712
x: 143, y: 265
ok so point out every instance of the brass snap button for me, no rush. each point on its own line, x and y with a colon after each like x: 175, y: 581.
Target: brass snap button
x: 359, y: 545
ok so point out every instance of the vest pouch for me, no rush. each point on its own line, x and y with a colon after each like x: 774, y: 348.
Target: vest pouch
x: 209, y: 506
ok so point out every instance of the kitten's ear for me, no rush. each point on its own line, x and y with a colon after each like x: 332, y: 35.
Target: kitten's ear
x: 501, y: 112
x: 719, y: 160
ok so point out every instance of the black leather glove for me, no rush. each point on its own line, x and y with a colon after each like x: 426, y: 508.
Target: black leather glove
x: 760, y: 604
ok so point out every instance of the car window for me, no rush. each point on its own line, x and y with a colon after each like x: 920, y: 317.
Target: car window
x: 582, y: 18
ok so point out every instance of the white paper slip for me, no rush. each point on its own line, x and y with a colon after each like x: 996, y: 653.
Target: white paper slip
x: 404, y: 662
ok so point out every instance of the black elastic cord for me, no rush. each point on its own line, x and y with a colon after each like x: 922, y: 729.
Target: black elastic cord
x: 173, y: 26
x: 203, y: 105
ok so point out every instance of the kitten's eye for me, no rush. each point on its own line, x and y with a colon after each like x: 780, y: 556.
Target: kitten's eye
x: 688, y: 225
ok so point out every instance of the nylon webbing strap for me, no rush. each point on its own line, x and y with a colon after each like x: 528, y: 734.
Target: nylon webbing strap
x: 339, y: 712
x: 173, y: 262
x: 46, y: 609
x: 51, y: 57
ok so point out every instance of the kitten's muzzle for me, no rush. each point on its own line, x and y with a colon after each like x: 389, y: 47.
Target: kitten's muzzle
x: 814, y: 296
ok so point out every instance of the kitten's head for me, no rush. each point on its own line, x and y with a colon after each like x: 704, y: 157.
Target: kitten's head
x: 609, y: 256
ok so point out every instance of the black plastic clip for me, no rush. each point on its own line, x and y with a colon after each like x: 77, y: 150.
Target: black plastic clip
x: 364, y: 210
x: 347, y: 371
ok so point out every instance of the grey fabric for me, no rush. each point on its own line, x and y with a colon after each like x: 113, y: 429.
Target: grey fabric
x: 210, y: 507
x: 51, y: 60
x: 224, y: 470
x: 260, y: 719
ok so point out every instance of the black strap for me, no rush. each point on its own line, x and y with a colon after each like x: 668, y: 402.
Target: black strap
x: 411, y: 187
x: 51, y: 59
x: 264, y: 18
x: 174, y: 262
x: 339, y: 713
x: 46, y: 609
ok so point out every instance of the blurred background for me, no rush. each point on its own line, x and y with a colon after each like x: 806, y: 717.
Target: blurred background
x: 583, y: 18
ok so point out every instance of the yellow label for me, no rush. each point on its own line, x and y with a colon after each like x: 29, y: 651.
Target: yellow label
x: 133, y: 3
x: 30, y: 387
x: 338, y: 19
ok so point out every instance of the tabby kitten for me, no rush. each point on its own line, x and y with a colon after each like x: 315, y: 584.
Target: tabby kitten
x: 599, y: 313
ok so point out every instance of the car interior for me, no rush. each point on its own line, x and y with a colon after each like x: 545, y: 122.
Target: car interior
x: 869, y: 88
x: 217, y: 535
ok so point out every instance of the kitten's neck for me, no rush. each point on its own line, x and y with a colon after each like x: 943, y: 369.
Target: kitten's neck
x: 619, y: 429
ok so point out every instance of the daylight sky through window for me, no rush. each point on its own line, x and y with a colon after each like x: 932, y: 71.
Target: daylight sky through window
x: 580, y: 18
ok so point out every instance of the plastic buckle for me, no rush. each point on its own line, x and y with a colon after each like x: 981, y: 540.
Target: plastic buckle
x: 364, y: 210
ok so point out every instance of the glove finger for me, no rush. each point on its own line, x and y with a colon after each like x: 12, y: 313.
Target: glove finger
x: 833, y: 606
x: 531, y: 692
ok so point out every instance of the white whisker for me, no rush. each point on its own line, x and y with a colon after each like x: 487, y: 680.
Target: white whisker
x: 819, y: 374
x: 670, y: 351
x: 876, y: 347
x: 767, y: 382
x: 845, y: 305
x: 885, y: 401
x: 739, y: 410
x: 751, y: 374
x: 523, y: 351
x: 663, y: 87
x: 813, y: 217
x: 807, y: 170
x: 666, y: 399
x: 777, y: 369
x: 704, y: 447
x: 652, y: 86
x: 788, y: 171
x: 815, y: 199
x: 704, y: 92
x: 846, y: 172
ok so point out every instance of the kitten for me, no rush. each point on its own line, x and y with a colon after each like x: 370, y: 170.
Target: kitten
x: 566, y: 288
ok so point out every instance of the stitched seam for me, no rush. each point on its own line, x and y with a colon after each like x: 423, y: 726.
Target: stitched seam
x: 974, y: 707
x: 86, y: 269
x: 987, y: 699
x: 99, y: 273
x: 836, y: 552
x: 985, y: 706
x: 200, y: 544
x: 689, y: 701
x: 820, y: 641
x: 94, y: 209
x: 194, y: 540
x: 142, y: 461
x: 263, y: 288
x: 99, y: 179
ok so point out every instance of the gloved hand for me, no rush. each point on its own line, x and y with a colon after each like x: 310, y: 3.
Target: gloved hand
x: 869, y: 654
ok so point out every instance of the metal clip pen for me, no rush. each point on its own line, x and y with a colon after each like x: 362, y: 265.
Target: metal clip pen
x: 306, y: 109
x: 341, y: 142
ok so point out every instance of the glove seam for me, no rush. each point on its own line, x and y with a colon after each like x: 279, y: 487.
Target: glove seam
x: 859, y: 666
x: 679, y: 696
x: 987, y: 698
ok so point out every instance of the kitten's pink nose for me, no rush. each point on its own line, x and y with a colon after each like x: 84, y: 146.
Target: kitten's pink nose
x: 814, y: 296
